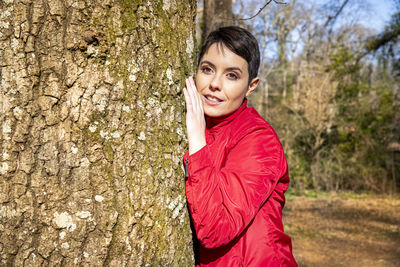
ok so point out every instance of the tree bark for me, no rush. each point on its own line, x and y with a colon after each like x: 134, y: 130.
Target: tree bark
x: 92, y: 133
x: 217, y: 13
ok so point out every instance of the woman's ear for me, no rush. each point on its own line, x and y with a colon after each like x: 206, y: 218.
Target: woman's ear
x: 252, y: 86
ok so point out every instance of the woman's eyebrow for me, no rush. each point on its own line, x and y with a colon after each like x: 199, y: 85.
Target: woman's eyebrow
x: 213, y: 66
x: 234, y: 68
x: 208, y: 63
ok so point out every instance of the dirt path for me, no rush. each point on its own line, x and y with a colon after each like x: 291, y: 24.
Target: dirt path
x: 344, y: 230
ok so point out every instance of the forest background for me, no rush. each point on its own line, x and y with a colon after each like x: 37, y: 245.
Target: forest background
x: 330, y: 88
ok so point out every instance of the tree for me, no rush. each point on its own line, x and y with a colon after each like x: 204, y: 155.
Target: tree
x: 217, y: 13
x: 389, y: 36
x: 92, y: 133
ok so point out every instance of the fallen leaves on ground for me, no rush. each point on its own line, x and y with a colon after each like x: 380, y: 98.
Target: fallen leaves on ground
x: 344, y: 229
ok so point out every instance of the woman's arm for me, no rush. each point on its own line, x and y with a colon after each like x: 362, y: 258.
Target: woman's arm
x: 224, y: 202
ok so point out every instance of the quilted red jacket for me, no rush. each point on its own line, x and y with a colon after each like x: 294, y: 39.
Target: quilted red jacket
x: 235, y: 192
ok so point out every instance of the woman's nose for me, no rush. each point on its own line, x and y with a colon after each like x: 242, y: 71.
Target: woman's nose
x: 215, y: 83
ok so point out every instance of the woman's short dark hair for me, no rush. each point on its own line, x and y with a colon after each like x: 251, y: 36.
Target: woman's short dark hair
x: 239, y: 41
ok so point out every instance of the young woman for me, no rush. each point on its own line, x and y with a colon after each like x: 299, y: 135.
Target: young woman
x: 236, y: 171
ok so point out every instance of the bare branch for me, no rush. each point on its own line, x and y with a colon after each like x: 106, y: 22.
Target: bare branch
x: 333, y: 18
x: 261, y: 9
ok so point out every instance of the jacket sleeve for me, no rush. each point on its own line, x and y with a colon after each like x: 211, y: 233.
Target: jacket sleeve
x: 223, y: 202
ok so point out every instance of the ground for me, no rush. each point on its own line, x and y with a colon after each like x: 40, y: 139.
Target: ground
x: 344, y: 229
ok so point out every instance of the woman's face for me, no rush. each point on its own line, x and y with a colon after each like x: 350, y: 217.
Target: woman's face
x: 222, y: 81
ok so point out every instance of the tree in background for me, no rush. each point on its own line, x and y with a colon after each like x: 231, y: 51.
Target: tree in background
x: 216, y: 13
x: 92, y: 133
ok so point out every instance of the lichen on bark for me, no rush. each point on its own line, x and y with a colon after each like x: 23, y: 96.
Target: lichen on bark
x: 92, y: 132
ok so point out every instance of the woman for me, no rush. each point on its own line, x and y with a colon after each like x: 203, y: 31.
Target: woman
x: 236, y: 171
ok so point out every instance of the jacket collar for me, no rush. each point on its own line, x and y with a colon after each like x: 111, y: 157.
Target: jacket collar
x: 214, y: 123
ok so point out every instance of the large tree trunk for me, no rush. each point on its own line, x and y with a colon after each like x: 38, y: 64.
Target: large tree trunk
x: 92, y: 134
x: 217, y: 13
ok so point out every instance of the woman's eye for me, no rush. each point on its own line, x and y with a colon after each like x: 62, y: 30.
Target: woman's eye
x: 232, y: 76
x: 206, y: 69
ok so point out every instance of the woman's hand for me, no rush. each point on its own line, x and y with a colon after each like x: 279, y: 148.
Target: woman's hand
x: 195, y: 122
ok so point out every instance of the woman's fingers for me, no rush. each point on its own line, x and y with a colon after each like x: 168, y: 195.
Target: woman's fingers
x: 191, y: 91
x: 194, y: 95
x: 187, y: 97
x: 195, y: 123
x: 194, y: 104
x: 193, y: 88
x: 198, y: 97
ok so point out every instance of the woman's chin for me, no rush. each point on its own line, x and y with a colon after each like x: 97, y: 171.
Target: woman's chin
x: 213, y: 113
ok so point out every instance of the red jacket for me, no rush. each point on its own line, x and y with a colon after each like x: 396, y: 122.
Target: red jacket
x: 235, y: 192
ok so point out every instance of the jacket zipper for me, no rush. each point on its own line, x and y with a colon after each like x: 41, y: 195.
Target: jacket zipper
x: 186, y: 167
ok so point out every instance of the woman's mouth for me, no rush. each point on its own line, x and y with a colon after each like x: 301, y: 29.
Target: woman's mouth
x: 212, y: 100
